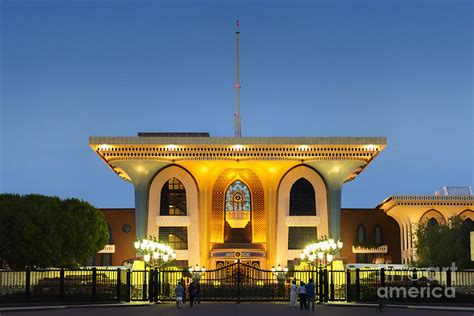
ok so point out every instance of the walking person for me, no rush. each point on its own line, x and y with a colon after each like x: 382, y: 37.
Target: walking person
x: 198, y: 292
x: 179, y: 292
x: 183, y: 284
x: 293, y: 293
x: 192, y: 293
x: 302, y: 295
x: 310, y: 294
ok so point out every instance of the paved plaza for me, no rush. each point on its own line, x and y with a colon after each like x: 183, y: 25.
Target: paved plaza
x: 231, y: 309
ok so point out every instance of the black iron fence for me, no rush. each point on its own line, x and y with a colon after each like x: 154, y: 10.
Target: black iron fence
x: 235, y: 282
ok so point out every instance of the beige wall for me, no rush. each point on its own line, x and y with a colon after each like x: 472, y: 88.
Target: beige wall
x: 191, y: 221
x: 284, y: 220
x: 409, y: 210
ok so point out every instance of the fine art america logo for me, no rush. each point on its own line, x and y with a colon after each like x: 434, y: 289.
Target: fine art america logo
x: 428, y: 286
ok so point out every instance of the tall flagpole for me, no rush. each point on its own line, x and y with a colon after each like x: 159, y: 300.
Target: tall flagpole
x: 238, y: 127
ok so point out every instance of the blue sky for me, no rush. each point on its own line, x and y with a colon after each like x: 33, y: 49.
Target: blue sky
x: 74, y: 69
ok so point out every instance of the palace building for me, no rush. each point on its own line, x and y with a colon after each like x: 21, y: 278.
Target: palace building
x: 261, y: 200
x: 251, y: 198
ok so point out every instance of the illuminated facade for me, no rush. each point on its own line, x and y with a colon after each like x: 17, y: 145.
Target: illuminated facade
x: 409, y: 210
x: 216, y: 199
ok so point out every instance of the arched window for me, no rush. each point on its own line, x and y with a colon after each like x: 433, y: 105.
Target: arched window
x: 378, y: 237
x: 173, y: 198
x: 237, y: 205
x: 110, y: 234
x: 360, y: 234
x: 302, y: 198
x: 360, y: 239
x: 469, y: 224
x: 237, y: 197
x: 433, y: 222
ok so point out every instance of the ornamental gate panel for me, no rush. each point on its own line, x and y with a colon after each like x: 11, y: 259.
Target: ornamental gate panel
x: 243, y: 282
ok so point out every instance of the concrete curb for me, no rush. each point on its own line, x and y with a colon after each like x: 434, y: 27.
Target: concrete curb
x: 49, y: 307
x: 52, y: 307
x: 424, y: 307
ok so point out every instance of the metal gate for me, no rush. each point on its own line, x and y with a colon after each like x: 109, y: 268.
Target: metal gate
x: 238, y: 282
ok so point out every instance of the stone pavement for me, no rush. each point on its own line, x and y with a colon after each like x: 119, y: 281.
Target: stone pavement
x: 231, y: 309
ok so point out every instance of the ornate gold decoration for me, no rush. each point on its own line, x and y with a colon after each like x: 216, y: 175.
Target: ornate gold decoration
x: 218, y: 204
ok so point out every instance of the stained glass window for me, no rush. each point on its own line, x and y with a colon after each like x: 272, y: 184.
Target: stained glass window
x: 237, y: 197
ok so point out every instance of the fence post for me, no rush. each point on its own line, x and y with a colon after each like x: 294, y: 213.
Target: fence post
x: 144, y: 287
x: 155, y: 285
x: 448, y: 277
x: 61, y: 284
x: 382, y: 277
x: 238, y: 281
x: 348, y: 285
x: 357, y: 284
x: 326, y: 285
x: 415, y: 278
x: 129, y: 285
x: 27, y: 284
x: 94, y: 284
x: 331, y: 285
x: 119, y: 284
x: 320, y: 283
x: 151, y: 287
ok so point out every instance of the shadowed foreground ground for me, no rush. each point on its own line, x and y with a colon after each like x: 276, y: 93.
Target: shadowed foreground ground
x: 232, y: 309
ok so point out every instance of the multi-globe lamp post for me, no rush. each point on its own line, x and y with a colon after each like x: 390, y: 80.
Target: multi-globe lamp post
x: 196, y: 272
x: 321, y: 254
x: 280, y: 274
x: 154, y: 253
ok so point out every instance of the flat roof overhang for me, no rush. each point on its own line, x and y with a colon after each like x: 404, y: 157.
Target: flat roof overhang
x: 114, y: 151
x: 381, y: 141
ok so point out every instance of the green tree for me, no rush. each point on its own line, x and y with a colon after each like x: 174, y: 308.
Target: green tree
x: 43, y: 231
x: 439, y: 245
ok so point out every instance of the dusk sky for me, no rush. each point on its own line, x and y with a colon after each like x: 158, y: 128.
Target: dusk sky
x: 74, y: 69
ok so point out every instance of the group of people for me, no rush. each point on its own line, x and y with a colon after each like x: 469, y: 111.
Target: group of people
x: 193, y: 292
x: 305, y: 293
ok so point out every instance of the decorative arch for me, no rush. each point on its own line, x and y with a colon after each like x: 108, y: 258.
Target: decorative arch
x: 217, y: 216
x: 467, y: 214
x: 190, y: 220
x: 433, y: 214
x: 302, y: 198
x: 284, y: 220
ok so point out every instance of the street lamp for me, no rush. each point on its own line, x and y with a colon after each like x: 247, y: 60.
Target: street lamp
x: 322, y: 252
x: 154, y: 253
x: 279, y: 272
x: 196, y: 272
